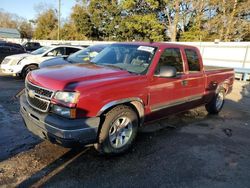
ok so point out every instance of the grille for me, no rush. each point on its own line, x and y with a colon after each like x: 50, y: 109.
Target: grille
x: 38, y: 104
x: 40, y: 91
x: 37, y: 97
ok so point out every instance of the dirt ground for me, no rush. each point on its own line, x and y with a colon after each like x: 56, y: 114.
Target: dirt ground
x: 192, y: 149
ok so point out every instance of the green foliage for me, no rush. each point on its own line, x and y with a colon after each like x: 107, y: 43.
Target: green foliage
x: 70, y: 32
x: 46, y: 25
x: 150, y: 20
x: 143, y: 28
x: 81, y: 21
x: 104, y: 16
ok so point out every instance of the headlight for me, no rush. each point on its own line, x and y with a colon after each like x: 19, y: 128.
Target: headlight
x: 67, y: 97
x: 14, y: 62
x: 63, y: 111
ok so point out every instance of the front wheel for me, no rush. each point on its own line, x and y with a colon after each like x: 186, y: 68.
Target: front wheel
x: 216, y: 104
x: 118, y: 130
x: 27, y: 69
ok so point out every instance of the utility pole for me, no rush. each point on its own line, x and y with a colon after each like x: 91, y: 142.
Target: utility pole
x: 59, y: 19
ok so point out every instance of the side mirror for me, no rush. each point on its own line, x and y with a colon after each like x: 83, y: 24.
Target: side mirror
x: 50, y: 54
x: 167, y: 72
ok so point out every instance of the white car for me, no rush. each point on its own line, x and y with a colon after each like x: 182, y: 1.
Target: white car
x: 22, y: 64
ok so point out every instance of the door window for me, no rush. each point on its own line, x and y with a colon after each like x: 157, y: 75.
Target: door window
x: 58, y: 51
x: 171, y: 57
x: 193, y: 60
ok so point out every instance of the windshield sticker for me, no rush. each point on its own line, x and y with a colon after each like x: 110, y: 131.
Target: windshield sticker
x: 146, y: 48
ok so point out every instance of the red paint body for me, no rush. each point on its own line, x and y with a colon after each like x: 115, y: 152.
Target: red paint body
x: 99, y: 86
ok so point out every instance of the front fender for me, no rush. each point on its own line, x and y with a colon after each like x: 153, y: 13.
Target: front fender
x: 135, y: 101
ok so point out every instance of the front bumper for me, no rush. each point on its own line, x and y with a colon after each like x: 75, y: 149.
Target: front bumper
x: 11, y: 69
x: 65, y: 132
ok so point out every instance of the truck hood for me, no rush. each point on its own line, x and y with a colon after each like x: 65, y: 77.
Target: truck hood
x: 71, y: 77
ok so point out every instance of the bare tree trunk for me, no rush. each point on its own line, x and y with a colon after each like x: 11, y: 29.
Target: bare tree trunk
x: 223, y: 19
x: 230, y: 22
x: 175, y: 22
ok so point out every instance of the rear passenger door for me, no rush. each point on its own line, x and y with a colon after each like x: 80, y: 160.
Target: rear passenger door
x: 196, y: 77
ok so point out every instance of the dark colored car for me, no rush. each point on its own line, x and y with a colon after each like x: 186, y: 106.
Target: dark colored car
x: 82, y: 56
x: 31, y: 46
x: 7, y: 48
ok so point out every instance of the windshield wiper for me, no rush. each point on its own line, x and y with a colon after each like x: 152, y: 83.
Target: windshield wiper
x: 113, y: 66
x: 131, y: 72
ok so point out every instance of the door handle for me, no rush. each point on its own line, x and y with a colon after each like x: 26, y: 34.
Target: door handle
x: 184, y: 82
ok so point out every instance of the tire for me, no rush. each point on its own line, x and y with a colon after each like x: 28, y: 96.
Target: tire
x: 216, y: 104
x: 113, y: 140
x: 27, y: 69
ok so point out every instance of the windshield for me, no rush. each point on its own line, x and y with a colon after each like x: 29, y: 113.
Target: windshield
x: 132, y: 58
x: 41, y: 50
x: 85, y: 55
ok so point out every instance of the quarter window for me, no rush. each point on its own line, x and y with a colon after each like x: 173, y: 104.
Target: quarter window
x: 71, y: 50
x: 193, y: 60
x: 171, y: 57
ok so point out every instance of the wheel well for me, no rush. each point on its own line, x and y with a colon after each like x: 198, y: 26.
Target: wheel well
x: 29, y: 65
x: 222, y: 86
x: 135, y: 105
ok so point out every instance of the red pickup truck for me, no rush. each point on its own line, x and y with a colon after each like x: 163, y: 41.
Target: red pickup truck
x: 126, y: 86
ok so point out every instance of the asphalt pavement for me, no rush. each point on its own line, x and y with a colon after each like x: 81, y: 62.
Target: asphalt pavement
x: 192, y: 149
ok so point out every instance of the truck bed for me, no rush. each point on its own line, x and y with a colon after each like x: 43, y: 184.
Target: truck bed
x: 213, y: 68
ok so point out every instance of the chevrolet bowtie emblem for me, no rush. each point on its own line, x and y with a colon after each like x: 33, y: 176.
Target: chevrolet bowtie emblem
x: 31, y: 93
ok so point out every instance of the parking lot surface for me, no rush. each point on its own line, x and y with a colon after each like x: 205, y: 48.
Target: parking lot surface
x: 192, y: 149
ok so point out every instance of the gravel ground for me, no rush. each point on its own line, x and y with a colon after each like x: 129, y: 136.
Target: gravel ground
x: 191, y: 149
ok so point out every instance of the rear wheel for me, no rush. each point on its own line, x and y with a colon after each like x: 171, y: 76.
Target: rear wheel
x: 27, y: 69
x: 216, y: 104
x: 118, y: 131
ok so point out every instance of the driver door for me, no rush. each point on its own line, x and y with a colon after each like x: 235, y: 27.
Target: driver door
x: 166, y: 93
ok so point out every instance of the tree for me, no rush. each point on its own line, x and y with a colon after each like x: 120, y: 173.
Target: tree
x: 46, y: 25
x: 140, y: 21
x: 147, y: 20
x: 13, y: 21
x: 172, y: 13
x: 26, y: 30
x: 7, y: 21
x: 103, y: 15
x: 81, y: 21
x: 69, y: 32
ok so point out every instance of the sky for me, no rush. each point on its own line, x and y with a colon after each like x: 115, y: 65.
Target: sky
x: 27, y: 8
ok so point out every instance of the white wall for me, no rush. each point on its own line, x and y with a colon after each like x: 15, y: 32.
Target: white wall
x: 223, y: 54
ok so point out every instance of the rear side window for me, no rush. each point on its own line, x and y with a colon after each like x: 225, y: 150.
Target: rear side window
x: 71, y: 50
x: 193, y: 60
x: 171, y: 57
